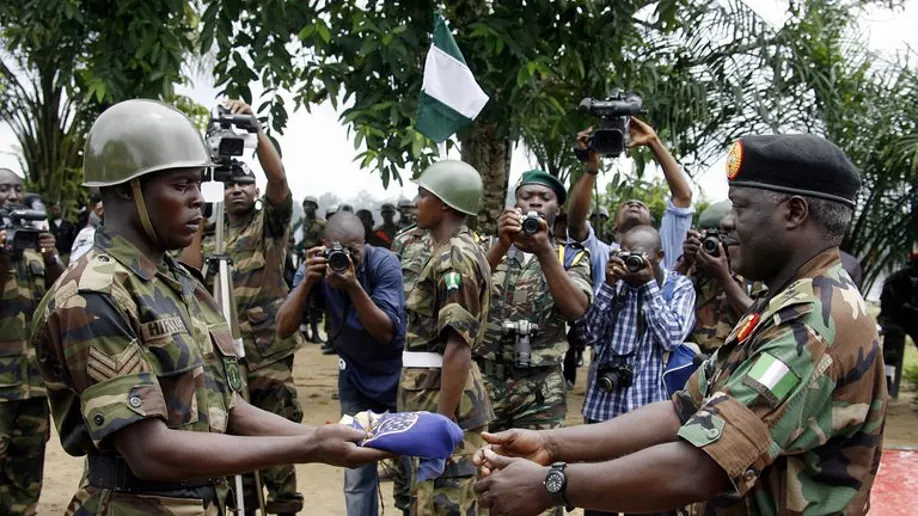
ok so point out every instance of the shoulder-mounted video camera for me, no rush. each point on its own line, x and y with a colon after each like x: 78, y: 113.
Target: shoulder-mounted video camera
x: 224, y: 143
x: 20, y: 233
x: 339, y: 258
x: 611, y: 139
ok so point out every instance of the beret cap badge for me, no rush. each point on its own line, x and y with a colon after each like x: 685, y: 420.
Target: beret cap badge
x: 734, y: 160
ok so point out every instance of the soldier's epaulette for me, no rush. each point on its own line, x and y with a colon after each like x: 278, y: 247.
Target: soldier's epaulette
x: 98, y: 275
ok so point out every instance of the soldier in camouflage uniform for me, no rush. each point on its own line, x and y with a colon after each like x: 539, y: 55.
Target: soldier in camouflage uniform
x: 140, y: 365
x: 534, y: 292
x: 785, y: 419
x: 405, y: 214
x: 25, y: 276
x: 256, y: 241
x: 446, y: 312
x: 313, y: 228
x: 721, y: 295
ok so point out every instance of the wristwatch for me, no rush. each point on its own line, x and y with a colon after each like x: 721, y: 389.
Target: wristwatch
x: 556, y: 485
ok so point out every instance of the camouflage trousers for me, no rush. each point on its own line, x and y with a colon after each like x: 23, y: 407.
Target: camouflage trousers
x: 24, y: 429
x: 453, y: 492
x: 536, y: 401
x: 271, y: 388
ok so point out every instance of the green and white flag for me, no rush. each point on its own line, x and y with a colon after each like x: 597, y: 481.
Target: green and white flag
x: 450, y: 96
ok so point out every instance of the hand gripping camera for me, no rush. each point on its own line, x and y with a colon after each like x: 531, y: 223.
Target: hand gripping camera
x: 634, y: 262
x: 339, y: 258
x: 531, y: 222
x: 709, y: 240
x: 522, y: 332
x: 611, y: 139
x: 19, y: 234
x: 224, y: 143
x: 614, y: 376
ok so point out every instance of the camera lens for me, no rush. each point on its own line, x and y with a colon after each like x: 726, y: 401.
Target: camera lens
x: 634, y: 263
x: 338, y: 261
x: 709, y: 245
x: 608, y: 381
x: 530, y: 225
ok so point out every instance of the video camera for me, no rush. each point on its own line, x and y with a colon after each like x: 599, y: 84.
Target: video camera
x: 611, y: 139
x: 339, y: 258
x: 709, y: 240
x: 20, y: 235
x: 224, y: 143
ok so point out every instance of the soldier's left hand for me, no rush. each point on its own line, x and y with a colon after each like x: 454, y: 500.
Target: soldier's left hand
x: 238, y: 107
x: 342, y: 280
x: 533, y: 243
x: 515, y: 486
x: 716, y: 266
x: 641, y: 277
x: 46, y: 243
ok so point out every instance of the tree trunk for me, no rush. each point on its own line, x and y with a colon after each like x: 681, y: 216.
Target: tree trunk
x: 490, y: 155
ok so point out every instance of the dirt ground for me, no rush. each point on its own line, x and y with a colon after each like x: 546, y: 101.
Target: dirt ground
x: 316, y: 377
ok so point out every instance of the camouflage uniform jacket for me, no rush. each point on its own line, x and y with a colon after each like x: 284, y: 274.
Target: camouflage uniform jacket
x: 258, y: 247
x: 312, y: 233
x: 120, y: 340
x: 451, y: 291
x: 792, y: 406
x: 715, y: 317
x: 413, y: 247
x: 24, y: 288
x: 520, y: 292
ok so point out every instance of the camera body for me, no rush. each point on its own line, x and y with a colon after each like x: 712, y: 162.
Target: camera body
x: 19, y: 234
x: 531, y: 222
x: 634, y: 262
x: 522, y: 332
x: 224, y: 143
x: 611, y: 139
x: 709, y: 240
x: 611, y: 377
x: 339, y: 258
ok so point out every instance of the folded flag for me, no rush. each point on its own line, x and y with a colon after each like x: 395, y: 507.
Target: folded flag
x: 431, y: 437
x: 450, y: 96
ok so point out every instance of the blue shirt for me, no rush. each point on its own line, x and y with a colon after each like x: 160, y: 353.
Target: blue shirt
x: 373, y: 367
x: 673, y: 230
x: 635, y: 326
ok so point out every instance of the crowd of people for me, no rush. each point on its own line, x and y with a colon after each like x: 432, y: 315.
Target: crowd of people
x: 167, y: 399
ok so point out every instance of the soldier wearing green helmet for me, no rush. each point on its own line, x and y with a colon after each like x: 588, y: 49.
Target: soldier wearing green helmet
x: 405, y: 214
x: 721, y: 295
x: 140, y: 365
x: 446, y: 312
x: 313, y: 227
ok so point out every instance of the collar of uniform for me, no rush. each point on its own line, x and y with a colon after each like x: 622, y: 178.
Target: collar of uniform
x: 127, y: 254
x: 799, y: 289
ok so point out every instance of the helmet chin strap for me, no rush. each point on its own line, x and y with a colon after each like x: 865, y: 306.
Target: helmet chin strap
x: 142, y: 210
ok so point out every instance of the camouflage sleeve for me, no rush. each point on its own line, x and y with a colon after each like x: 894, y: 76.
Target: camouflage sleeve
x: 460, y: 306
x: 277, y: 216
x: 102, y: 358
x: 778, y: 398
x: 581, y: 273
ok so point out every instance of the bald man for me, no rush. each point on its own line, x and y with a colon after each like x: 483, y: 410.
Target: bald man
x: 366, y: 305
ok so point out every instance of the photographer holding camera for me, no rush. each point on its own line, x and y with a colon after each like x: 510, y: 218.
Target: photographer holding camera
x: 256, y: 240
x: 362, y: 288
x: 533, y: 295
x: 722, y: 296
x: 25, y: 276
x: 676, y: 220
x: 641, y: 312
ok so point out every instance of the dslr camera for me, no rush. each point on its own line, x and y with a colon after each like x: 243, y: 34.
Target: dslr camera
x: 522, y: 332
x: 611, y: 139
x: 531, y: 222
x: 338, y: 257
x: 224, y: 143
x: 20, y: 232
x: 634, y: 262
x: 611, y: 377
x: 709, y: 240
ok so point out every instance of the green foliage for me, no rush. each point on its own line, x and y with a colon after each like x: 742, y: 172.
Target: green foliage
x: 653, y: 193
x: 910, y: 377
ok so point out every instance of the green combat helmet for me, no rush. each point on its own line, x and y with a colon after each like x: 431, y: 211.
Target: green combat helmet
x: 454, y: 182
x: 139, y: 137
x: 712, y: 215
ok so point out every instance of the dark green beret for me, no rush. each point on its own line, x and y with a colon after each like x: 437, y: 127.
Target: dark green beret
x: 538, y: 177
x: 801, y: 164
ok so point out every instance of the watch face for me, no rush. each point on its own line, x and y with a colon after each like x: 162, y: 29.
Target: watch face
x: 554, y: 482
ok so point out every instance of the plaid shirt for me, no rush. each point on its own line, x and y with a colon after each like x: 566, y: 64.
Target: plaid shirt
x: 639, y: 325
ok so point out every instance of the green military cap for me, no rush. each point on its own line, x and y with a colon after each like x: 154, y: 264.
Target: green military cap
x: 802, y: 164
x: 539, y: 177
x: 712, y: 215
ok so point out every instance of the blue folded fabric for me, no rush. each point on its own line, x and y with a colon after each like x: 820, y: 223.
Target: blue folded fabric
x: 428, y: 436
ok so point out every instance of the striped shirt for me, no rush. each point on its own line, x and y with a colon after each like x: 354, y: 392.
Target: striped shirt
x: 635, y: 326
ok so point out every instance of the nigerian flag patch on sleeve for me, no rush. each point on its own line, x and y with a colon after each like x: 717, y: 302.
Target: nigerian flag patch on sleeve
x: 771, y: 378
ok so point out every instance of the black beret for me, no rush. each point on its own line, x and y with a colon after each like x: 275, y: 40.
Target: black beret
x: 241, y: 173
x: 801, y: 164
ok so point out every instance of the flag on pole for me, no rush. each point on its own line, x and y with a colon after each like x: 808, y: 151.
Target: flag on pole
x: 450, y: 96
